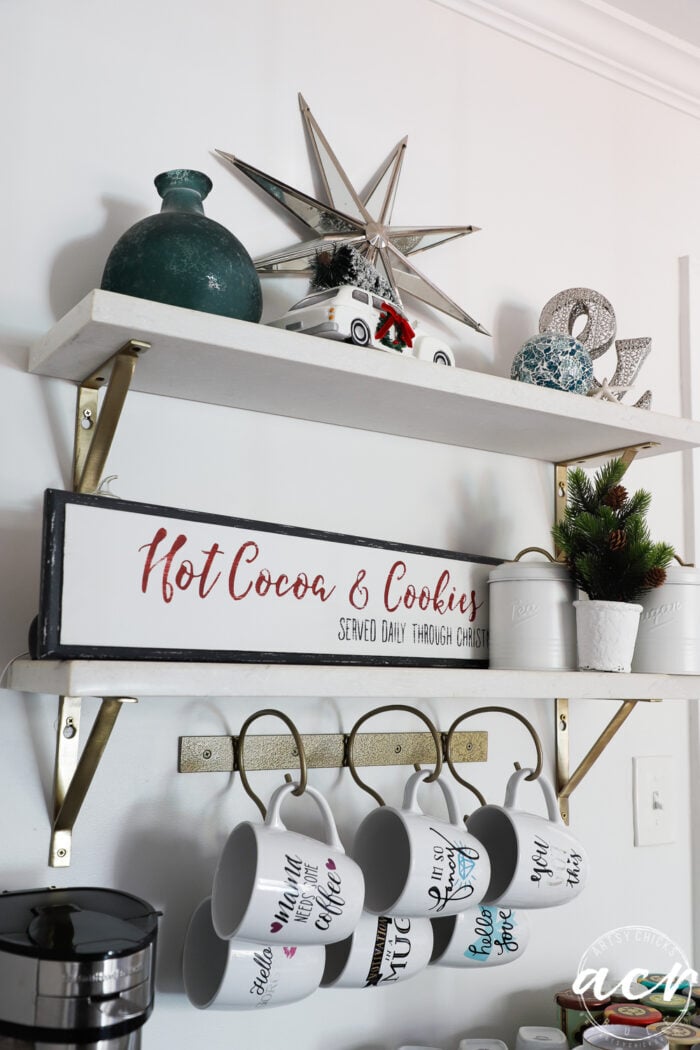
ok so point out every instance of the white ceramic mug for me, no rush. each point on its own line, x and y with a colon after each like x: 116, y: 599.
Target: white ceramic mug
x: 482, y: 1044
x: 240, y: 975
x: 382, y: 951
x: 414, y: 864
x: 275, y: 886
x: 537, y: 1037
x: 535, y: 862
x: 479, y: 937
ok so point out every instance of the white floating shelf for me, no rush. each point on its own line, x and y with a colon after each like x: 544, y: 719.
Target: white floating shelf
x: 216, y: 360
x: 142, y: 678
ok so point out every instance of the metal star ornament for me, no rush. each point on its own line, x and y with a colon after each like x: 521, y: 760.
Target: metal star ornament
x: 607, y: 392
x: 362, y: 222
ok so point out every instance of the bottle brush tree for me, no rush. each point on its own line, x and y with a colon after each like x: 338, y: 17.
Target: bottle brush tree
x: 342, y: 264
x: 605, y: 538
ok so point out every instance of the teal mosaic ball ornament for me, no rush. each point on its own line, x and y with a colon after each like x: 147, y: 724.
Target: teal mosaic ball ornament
x: 181, y: 257
x: 557, y: 361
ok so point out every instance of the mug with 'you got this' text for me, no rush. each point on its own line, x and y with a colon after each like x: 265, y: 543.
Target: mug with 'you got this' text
x: 535, y: 862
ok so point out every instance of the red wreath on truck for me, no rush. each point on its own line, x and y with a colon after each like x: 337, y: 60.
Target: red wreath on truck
x: 389, y: 318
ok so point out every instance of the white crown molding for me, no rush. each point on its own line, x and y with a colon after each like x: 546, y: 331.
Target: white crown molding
x: 602, y: 39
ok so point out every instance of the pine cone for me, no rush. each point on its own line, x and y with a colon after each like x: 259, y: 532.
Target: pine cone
x: 617, y: 541
x: 654, y: 578
x: 615, y: 497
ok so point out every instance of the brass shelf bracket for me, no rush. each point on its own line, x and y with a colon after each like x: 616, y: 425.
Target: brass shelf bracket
x: 566, y: 781
x: 95, y: 432
x: 74, y: 772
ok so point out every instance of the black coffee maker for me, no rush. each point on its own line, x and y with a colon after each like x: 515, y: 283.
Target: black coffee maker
x: 76, y: 969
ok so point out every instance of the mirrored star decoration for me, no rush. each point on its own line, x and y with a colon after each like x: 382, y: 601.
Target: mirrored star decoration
x: 362, y: 222
x: 560, y: 314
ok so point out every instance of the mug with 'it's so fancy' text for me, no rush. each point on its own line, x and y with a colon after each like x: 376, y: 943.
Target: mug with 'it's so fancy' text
x: 418, y: 865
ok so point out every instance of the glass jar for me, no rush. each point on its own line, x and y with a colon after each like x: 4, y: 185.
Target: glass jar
x: 635, y: 1014
x: 577, y: 1012
x: 678, y: 1035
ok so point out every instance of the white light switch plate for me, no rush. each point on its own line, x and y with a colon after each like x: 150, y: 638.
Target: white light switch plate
x: 654, y: 800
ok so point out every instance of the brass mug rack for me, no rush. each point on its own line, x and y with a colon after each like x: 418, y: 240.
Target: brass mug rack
x: 299, y: 752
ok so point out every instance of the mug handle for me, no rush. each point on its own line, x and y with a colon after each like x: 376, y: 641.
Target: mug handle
x: 273, y: 819
x: 410, y: 795
x: 550, y: 798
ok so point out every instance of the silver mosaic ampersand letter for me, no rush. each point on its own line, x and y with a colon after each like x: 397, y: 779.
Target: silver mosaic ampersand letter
x: 563, y: 310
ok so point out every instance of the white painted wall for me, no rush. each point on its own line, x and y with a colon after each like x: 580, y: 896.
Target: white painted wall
x: 574, y: 180
x: 680, y: 17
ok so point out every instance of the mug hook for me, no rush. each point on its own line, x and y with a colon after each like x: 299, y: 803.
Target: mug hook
x: 484, y: 711
x: 350, y: 744
x: 240, y: 764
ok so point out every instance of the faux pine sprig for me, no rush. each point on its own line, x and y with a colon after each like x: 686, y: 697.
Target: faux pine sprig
x: 605, y: 537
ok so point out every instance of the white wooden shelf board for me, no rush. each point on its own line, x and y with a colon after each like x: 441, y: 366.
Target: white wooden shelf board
x: 149, y: 678
x: 217, y: 360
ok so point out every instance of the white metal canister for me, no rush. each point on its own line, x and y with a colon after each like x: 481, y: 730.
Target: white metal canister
x: 532, y: 622
x: 668, y: 641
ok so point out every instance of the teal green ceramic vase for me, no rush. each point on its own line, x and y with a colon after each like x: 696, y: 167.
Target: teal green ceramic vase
x: 181, y: 257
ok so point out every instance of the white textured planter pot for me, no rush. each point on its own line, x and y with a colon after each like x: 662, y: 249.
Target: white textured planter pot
x: 606, y: 633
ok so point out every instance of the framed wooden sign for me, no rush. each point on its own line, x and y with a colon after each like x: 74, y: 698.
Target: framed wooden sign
x: 128, y: 581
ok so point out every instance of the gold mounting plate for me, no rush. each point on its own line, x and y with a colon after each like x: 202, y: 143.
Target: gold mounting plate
x: 215, y: 754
